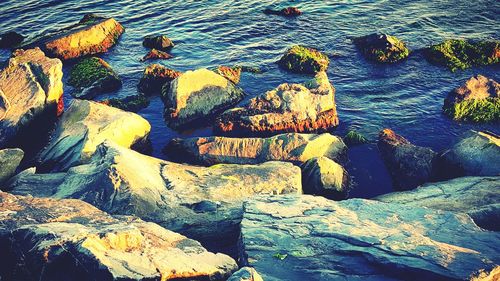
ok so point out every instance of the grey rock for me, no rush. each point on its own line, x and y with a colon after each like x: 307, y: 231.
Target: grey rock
x: 10, y: 158
x: 246, y: 274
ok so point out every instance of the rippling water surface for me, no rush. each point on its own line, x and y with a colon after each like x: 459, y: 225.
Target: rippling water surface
x: 406, y: 97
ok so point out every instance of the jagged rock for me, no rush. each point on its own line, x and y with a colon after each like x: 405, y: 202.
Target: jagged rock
x: 10, y: 158
x: 159, y: 42
x: 30, y: 89
x: 10, y: 39
x: 83, y: 127
x: 132, y: 103
x: 478, y: 100
x: 408, y: 164
x: 285, y: 12
x: 302, y: 59
x: 201, y: 202
x: 382, y: 48
x: 233, y: 74
x: 312, y: 238
x: 91, y: 77
x: 304, y: 107
x: 325, y: 177
x: 155, y: 77
x: 157, y: 54
x: 291, y: 147
x: 197, y: 95
x: 51, y: 240
x: 245, y: 274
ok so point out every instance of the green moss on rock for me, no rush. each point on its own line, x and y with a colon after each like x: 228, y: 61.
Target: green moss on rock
x: 475, y: 110
x: 354, y: 138
x: 382, y: 48
x: 88, y: 71
x: 132, y: 103
x: 302, y: 59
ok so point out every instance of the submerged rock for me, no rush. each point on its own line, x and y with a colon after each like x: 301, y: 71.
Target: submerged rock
x: 10, y: 39
x: 302, y: 59
x: 30, y: 89
x: 382, y: 48
x: 353, y: 138
x: 478, y: 100
x: 325, y: 177
x: 231, y: 73
x: 312, y: 238
x: 462, y: 54
x: 159, y: 42
x: 132, y: 103
x: 285, y: 12
x: 198, y: 95
x: 10, y: 158
x: 307, y: 107
x: 155, y: 77
x: 246, y: 274
x: 291, y: 147
x: 51, y: 240
x: 91, y: 77
x: 83, y: 127
x: 157, y: 54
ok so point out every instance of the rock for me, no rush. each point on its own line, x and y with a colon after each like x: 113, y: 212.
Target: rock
x: 197, y: 96
x: 285, y: 12
x: 482, y: 275
x: 10, y: 39
x: 231, y: 73
x: 408, y: 164
x: 291, y: 147
x: 245, y: 274
x: 83, y: 127
x: 353, y: 138
x: 478, y: 100
x: 302, y: 59
x: 157, y: 54
x: 462, y: 54
x: 204, y: 203
x: 325, y: 177
x: 308, y: 107
x: 159, y: 42
x: 479, y: 197
x: 50, y: 240
x: 312, y: 238
x: 132, y: 103
x: 249, y: 69
x: 155, y: 77
x: 10, y: 158
x: 91, y: 77
x: 30, y: 89
x: 92, y: 35
x: 382, y: 48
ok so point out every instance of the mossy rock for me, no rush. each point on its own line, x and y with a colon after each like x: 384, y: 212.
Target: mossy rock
x: 159, y: 42
x: 132, y: 103
x: 382, y: 48
x: 302, y: 59
x: 354, y: 138
x: 155, y: 76
x: 475, y: 110
x: 94, y: 72
x: 462, y: 54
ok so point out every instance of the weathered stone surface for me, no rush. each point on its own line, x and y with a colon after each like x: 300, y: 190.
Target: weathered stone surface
x: 325, y: 177
x: 197, y: 95
x: 291, y: 147
x: 159, y: 42
x: 10, y: 158
x: 83, y: 127
x: 302, y: 59
x: 245, y: 274
x: 408, y: 164
x: 10, y: 39
x: 155, y: 77
x: 51, y: 240
x: 157, y: 54
x: 382, y: 48
x: 304, y: 107
x: 30, y: 86
x: 201, y: 202
x: 312, y: 238
x: 91, y: 77
x: 477, y: 196
x: 285, y: 12
x: 232, y: 74
x: 132, y: 103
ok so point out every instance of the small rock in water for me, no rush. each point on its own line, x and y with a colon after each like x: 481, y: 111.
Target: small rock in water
x: 10, y: 39
x: 353, y: 138
x: 91, y: 77
x: 157, y: 54
x: 285, y: 12
x: 131, y: 103
x: 156, y: 77
x: 302, y: 59
x: 382, y: 48
x: 159, y: 42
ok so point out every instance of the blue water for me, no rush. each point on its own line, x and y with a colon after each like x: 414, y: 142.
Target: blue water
x: 406, y: 97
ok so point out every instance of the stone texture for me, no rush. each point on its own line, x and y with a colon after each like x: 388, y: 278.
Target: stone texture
x: 51, y: 240
x: 325, y: 177
x: 10, y: 158
x: 91, y: 77
x: 157, y: 54
x: 312, y: 238
x: 155, y: 77
x: 245, y: 274
x: 232, y: 74
x: 159, y: 42
x: 382, y: 48
x: 301, y: 59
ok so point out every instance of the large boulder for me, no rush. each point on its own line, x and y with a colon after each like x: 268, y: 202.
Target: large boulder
x: 156, y: 76
x: 91, y: 77
x: 291, y: 147
x: 302, y: 59
x: 10, y: 158
x: 382, y: 48
x: 478, y: 100
x: 325, y: 177
x: 477, y: 196
x: 312, y: 238
x: 52, y: 240
x: 83, y: 127
x: 201, y: 202
x: 408, y: 164
x: 30, y: 88
x: 304, y: 107
x: 197, y: 95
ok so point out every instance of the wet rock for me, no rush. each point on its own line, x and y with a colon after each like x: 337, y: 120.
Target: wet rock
x: 157, y: 54
x: 285, y: 12
x: 30, y: 88
x: 307, y: 107
x: 382, y: 48
x: 353, y: 138
x: 325, y: 177
x: 291, y: 147
x: 131, y: 103
x: 231, y: 73
x: 83, y: 127
x: 479, y: 197
x: 312, y: 238
x: 50, y: 240
x: 91, y: 77
x: 302, y: 59
x: 159, y: 42
x: 10, y: 39
x: 459, y: 54
x: 155, y: 77
x: 198, y: 95
x: 10, y: 158
x: 478, y: 100
x: 249, y: 69
x: 245, y: 274
x: 408, y: 164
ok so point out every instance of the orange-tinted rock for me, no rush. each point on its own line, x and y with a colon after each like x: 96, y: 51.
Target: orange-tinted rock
x: 157, y: 54
x: 156, y: 76
x: 231, y: 73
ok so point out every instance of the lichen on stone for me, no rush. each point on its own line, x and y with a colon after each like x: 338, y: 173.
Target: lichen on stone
x: 475, y: 110
x: 302, y: 59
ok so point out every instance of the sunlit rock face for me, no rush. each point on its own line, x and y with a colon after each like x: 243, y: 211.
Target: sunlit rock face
x: 200, y: 202
x: 246, y: 274
x: 10, y: 158
x: 292, y: 147
x: 325, y: 177
x: 30, y: 88
x: 304, y: 107
x: 312, y: 238
x: 83, y: 127
x: 51, y: 240
x: 197, y: 95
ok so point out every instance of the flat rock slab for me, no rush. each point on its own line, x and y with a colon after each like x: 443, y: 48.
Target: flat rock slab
x: 312, y: 238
